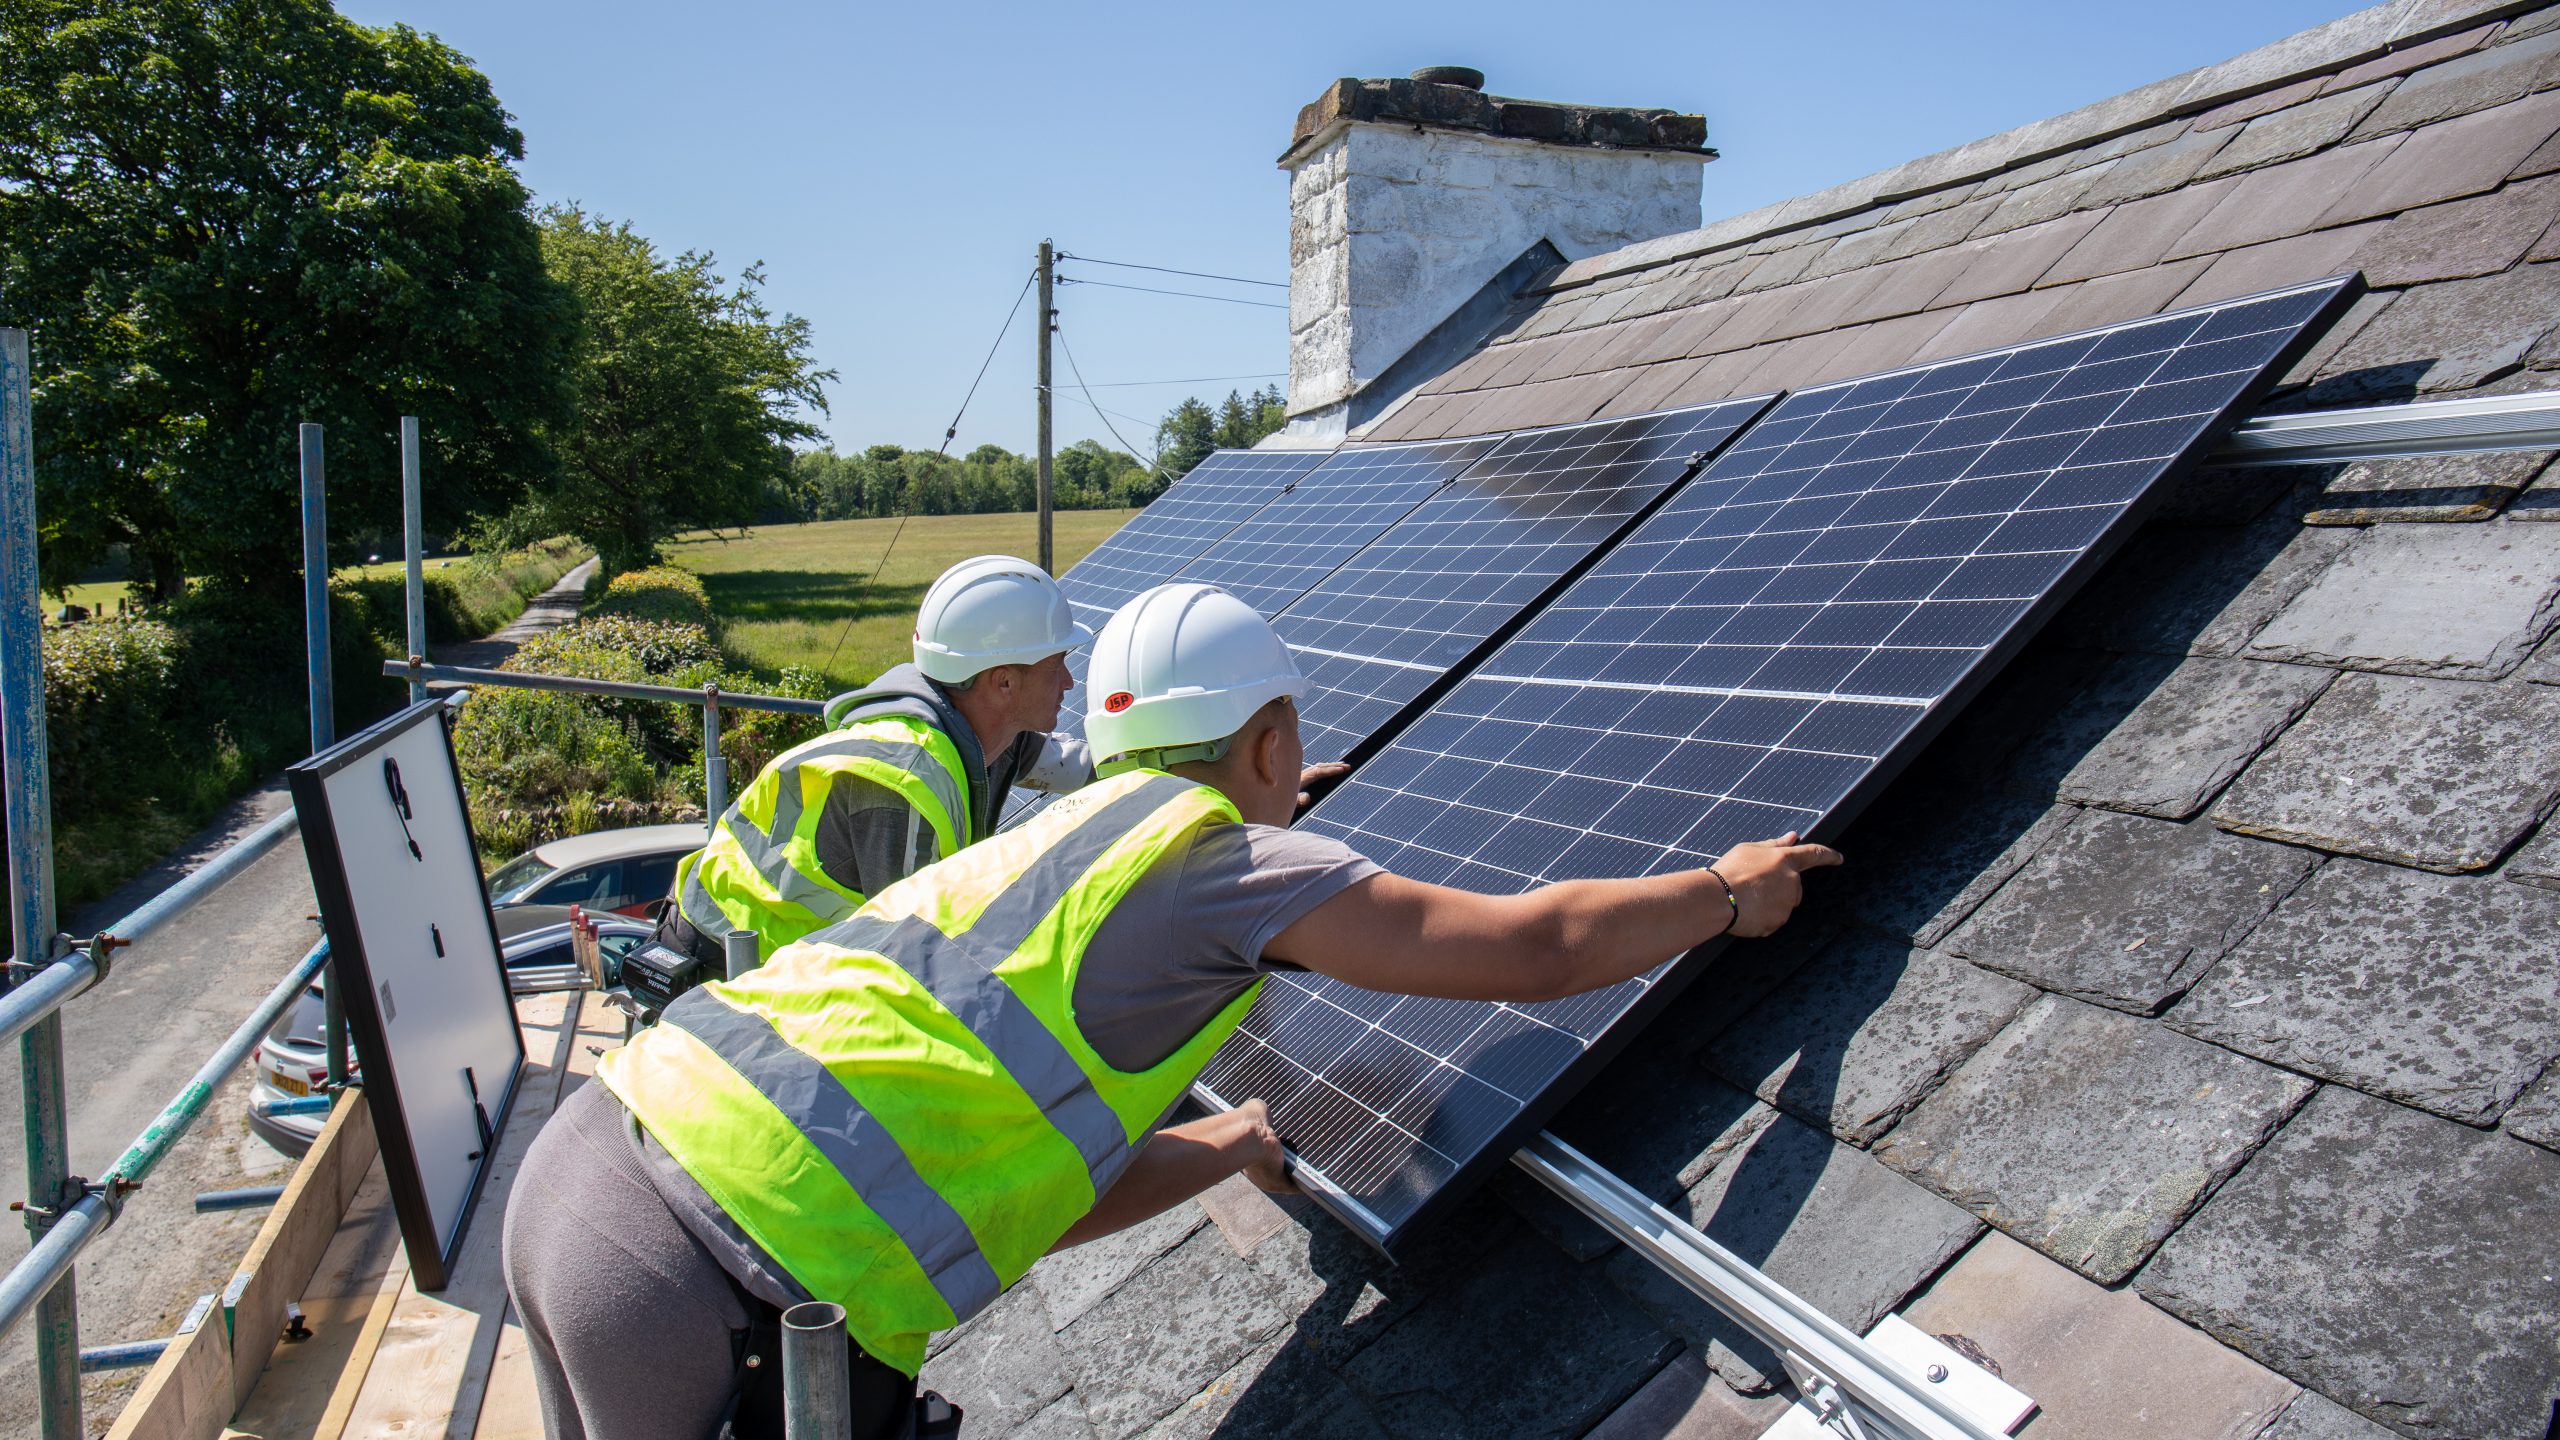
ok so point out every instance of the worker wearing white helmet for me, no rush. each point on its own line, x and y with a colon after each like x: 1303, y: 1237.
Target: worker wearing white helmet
x: 913, y: 767
x: 904, y: 1111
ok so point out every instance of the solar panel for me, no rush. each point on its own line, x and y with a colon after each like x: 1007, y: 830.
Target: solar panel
x: 1759, y: 656
x: 1194, y: 513
x: 1418, y: 600
x: 1326, y: 517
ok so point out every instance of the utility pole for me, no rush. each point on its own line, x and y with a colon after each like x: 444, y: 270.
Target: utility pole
x: 1048, y: 327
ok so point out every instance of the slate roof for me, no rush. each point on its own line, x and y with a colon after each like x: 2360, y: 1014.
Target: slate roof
x: 2182, y: 1031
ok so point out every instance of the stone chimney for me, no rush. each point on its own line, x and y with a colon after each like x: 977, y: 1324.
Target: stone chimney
x: 1408, y: 198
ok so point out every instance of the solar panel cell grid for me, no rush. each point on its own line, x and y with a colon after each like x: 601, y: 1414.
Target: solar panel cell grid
x: 1196, y: 512
x: 1381, y: 629
x: 1301, y: 535
x: 1755, y: 658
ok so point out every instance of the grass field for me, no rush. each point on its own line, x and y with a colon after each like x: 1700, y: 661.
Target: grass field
x: 99, y: 597
x: 785, y: 593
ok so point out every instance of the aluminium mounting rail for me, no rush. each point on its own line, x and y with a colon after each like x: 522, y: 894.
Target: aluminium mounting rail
x: 1847, y: 1382
x: 2479, y: 424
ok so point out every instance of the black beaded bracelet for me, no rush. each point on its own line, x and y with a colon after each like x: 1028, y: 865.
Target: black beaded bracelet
x: 1729, y: 897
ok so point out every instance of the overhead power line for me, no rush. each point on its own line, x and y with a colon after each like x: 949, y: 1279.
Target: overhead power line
x: 907, y: 501
x: 1185, y: 294
x: 1154, y: 462
x: 1168, y: 270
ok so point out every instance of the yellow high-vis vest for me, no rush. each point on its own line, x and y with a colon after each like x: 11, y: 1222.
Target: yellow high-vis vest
x: 901, y: 1109
x: 761, y: 872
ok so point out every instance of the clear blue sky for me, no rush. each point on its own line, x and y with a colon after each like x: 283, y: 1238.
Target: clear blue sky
x: 896, y: 165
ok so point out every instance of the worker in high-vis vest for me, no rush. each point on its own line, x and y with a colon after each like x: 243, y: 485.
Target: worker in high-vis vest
x: 906, y: 1110
x: 912, y: 767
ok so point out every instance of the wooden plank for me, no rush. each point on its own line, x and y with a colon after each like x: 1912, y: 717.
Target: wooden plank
x: 377, y: 1320
x: 431, y: 1372
x: 187, y: 1395
x: 293, y: 1394
x: 299, y: 1230
x: 511, y: 1409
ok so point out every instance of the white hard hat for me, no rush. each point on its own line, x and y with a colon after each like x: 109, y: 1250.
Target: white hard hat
x: 989, y: 611
x: 1181, y: 668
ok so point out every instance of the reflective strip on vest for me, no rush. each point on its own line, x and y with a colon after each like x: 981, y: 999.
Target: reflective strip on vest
x: 903, y: 1116
x: 862, y: 1152
x: 764, y: 848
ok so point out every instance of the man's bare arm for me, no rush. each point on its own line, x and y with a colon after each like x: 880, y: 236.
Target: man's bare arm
x: 1403, y: 936
x: 1180, y: 1162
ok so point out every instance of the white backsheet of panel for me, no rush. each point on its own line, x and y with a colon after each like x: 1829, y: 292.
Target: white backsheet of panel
x: 440, y: 1014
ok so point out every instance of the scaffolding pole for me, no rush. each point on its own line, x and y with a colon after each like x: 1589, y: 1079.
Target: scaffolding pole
x: 414, y: 535
x: 31, y: 917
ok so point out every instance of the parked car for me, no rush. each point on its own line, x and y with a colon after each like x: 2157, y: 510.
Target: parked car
x: 611, y: 872
x: 292, y: 1061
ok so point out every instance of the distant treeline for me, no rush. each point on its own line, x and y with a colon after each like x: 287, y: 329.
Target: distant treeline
x: 888, y: 480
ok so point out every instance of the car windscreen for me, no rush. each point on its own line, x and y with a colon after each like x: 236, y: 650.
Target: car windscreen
x: 517, y: 876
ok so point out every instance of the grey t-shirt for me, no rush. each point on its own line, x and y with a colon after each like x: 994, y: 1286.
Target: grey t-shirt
x: 1186, y: 940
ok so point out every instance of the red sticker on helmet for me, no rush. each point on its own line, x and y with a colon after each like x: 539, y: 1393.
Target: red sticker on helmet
x: 1119, y: 700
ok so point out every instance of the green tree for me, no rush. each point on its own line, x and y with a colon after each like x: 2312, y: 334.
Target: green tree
x: 1184, y: 437
x: 1243, y: 420
x: 686, y: 393
x: 221, y: 217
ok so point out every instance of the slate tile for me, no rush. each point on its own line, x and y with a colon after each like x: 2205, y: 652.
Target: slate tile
x: 2089, y: 1134
x: 2101, y: 1364
x: 1856, y: 1039
x: 2175, y: 592
x: 2125, y: 911
x: 1990, y: 324
x: 2314, y: 1416
x: 2277, y: 263
x: 2279, y: 200
x: 2427, y: 487
x: 2005, y: 264
x: 1342, y: 1294
x: 1529, y: 1344
x: 1819, y: 1217
x: 2043, y: 200
x: 2537, y: 862
x: 1928, y: 856
x: 2450, y: 160
x: 2432, y: 990
x: 1282, y: 1389
x: 2062, y: 723
x: 2292, y: 133
x: 2471, y: 82
x: 2133, y: 295
x: 2446, y: 775
x: 2315, y: 362
x: 2218, y: 498
x: 1165, y: 1334
x: 2536, y: 1114
x: 2490, y: 594
x: 2397, y: 1263
x: 2133, y: 236
x: 2184, y: 742
x: 2540, y: 500
x: 2250, y: 107
x: 1685, y: 1401
x: 1071, y: 1282
x: 1242, y: 1213
x: 2479, y: 236
x: 2157, y: 170
x: 2450, y: 336
x: 2410, y: 57
x: 1007, y: 1369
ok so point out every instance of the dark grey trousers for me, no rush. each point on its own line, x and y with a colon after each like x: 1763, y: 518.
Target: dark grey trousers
x: 632, y: 1325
